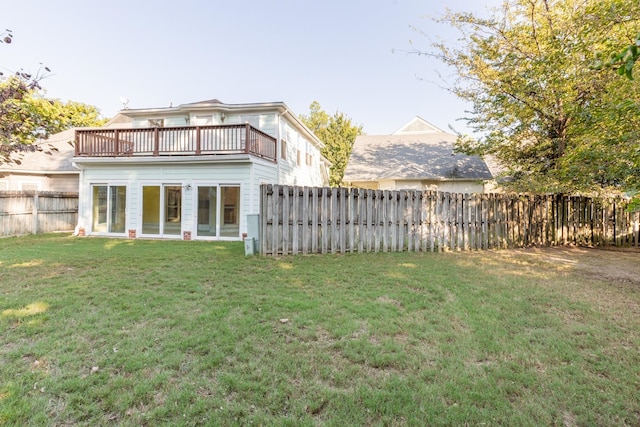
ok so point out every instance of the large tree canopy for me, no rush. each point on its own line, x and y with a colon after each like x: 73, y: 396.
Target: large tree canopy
x: 552, y: 119
x: 338, y: 134
x: 26, y: 115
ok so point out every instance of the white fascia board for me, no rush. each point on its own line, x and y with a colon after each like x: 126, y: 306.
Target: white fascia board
x: 119, y: 161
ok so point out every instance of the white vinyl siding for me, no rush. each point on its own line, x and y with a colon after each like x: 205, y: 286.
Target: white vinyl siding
x: 62, y: 182
x: 247, y: 176
x: 305, y: 171
x: 265, y: 122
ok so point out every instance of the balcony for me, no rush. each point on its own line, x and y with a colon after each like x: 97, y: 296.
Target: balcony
x: 175, y: 141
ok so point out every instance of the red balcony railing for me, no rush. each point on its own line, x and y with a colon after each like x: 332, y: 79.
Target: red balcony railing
x: 175, y: 141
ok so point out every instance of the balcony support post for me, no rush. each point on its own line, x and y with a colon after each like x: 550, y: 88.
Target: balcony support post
x: 156, y: 142
x: 246, y: 140
x: 116, y: 143
x: 198, y: 142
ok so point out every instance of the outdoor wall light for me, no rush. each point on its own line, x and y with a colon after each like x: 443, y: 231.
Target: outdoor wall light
x: 187, y: 187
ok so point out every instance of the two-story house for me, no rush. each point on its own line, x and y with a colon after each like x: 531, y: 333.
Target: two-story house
x: 193, y: 171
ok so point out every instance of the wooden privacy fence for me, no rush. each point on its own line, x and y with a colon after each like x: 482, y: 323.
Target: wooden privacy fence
x: 32, y: 212
x: 302, y: 220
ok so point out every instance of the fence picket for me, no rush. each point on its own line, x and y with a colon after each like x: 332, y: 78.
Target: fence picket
x: 31, y: 212
x: 323, y: 220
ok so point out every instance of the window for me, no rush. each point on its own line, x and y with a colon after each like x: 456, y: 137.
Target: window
x: 156, y: 123
x: 109, y: 208
x: 309, y: 159
x: 298, y: 158
x: 204, y: 120
x: 4, y: 185
x: 283, y: 149
x: 29, y: 186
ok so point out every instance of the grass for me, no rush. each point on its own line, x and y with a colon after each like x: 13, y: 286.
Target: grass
x: 133, y: 332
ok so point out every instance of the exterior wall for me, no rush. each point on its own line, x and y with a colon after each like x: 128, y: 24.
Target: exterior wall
x: 270, y: 122
x: 266, y: 122
x: 460, y: 187
x: 292, y: 173
x: 387, y: 185
x: 58, y: 182
x: 247, y: 175
x: 457, y: 186
x: 369, y: 185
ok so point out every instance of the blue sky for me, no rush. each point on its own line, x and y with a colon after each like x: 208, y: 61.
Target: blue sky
x: 157, y: 53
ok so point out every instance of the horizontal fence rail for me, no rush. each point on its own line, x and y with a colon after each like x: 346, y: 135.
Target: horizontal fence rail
x: 32, y: 212
x: 169, y: 141
x: 304, y: 220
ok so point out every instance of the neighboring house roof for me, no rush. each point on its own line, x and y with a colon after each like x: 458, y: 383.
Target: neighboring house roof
x: 52, y: 156
x: 119, y: 121
x: 418, y: 150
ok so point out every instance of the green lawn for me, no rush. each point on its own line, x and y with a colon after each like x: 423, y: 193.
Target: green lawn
x: 123, y: 332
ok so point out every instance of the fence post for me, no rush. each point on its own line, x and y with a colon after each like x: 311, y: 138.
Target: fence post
x: 34, y: 214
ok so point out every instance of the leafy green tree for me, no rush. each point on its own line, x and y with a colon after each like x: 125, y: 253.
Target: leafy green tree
x: 26, y: 115
x: 338, y: 134
x: 624, y: 61
x: 555, y: 123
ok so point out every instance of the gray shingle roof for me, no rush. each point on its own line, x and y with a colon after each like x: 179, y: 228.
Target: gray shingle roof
x: 412, y: 155
x: 54, y: 155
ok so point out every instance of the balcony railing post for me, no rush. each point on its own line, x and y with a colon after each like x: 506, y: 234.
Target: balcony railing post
x: 246, y: 140
x: 198, y: 148
x: 77, y: 139
x: 156, y: 142
x: 116, y: 143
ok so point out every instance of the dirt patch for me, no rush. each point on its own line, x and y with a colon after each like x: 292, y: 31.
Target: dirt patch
x: 611, y: 278
x: 612, y: 265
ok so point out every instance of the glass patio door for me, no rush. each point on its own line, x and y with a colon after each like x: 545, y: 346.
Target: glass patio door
x: 162, y: 210
x: 218, y: 211
x: 207, y: 218
x: 109, y: 208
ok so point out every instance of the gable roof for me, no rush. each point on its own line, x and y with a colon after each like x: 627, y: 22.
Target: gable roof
x: 418, y: 150
x: 53, y: 155
x: 417, y: 125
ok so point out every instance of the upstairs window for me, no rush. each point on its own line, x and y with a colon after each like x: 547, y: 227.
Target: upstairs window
x: 298, y: 158
x: 283, y: 149
x: 309, y: 159
x: 156, y: 123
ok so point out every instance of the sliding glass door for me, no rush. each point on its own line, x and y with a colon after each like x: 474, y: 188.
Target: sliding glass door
x: 218, y: 211
x: 109, y: 208
x: 162, y: 210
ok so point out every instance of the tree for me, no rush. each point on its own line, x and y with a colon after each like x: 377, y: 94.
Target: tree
x: 624, y: 61
x: 338, y: 133
x: 553, y: 121
x: 26, y: 115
